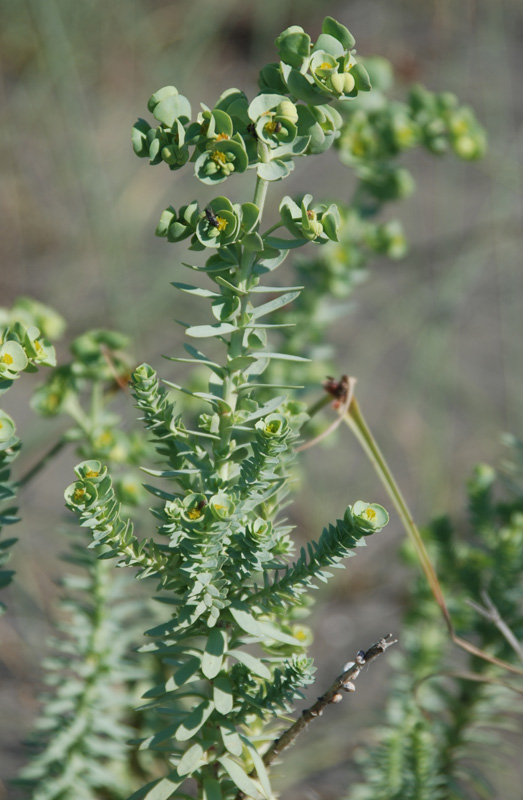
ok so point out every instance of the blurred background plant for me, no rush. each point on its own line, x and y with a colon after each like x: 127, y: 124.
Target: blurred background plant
x: 433, y: 339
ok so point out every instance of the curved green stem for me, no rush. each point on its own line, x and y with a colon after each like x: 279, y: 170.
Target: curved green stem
x: 274, y: 227
x: 356, y: 422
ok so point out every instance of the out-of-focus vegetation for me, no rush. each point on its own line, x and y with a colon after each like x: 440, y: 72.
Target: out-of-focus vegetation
x: 434, y: 340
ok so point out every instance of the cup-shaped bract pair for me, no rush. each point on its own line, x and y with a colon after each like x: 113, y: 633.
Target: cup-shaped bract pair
x: 23, y: 350
x: 178, y: 225
x: 274, y: 118
x: 7, y: 430
x: 321, y: 124
x: 320, y: 73
x: 224, y: 223
x: 167, y: 141
x: 220, y: 148
x: 319, y: 223
x: 368, y: 517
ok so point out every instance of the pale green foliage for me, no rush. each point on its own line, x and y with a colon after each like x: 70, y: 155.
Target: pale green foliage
x: 230, y: 659
x: 229, y: 645
x: 446, y: 735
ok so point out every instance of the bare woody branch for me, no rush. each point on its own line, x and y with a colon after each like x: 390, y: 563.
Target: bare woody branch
x: 343, y: 682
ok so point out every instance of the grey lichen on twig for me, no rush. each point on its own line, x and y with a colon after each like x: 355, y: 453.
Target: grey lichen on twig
x: 343, y: 682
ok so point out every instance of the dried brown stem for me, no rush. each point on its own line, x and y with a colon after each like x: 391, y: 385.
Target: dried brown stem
x: 343, y: 682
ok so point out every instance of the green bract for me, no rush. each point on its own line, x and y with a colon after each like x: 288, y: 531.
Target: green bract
x: 370, y: 517
x: 176, y: 226
x: 12, y: 359
x: 7, y: 429
x: 294, y: 46
x: 317, y: 223
x: 220, y: 225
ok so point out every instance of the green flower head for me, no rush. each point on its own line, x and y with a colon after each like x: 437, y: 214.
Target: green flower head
x: 369, y: 517
x: 319, y: 223
x: 220, y: 223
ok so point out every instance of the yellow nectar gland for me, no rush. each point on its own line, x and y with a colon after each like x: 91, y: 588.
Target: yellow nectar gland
x: 91, y: 473
x: 218, y: 157
x: 301, y: 636
x: 194, y: 513
x: 38, y: 347
x: 221, y: 137
x: 325, y: 65
x: 6, y: 359
x: 370, y: 514
x: 79, y: 494
x: 272, y: 127
x: 222, y: 223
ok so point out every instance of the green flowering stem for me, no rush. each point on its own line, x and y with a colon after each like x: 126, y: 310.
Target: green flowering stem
x: 262, y: 185
x: 343, y: 683
x: 273, y: 228
x: 356, y: 422
x: 42, y: 462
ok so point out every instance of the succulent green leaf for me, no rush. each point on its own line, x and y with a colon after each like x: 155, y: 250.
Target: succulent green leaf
x: 244, y: 619
x: 250, y: 216
x: 158, y: 790
x: 361, y: 78
x: 190, y: 760
x: 139, y: 138
x: 252, y: 663
x: 194, y: 721
x: 223, y: 122
x: 294, y: 46
x: 259, y: 766
x: 171, y: 108
x: 305, y: 89
x: 339, y: 32
x: 226, y: 308
x: 264, y: 103
x: 273, y: 305
x: 197, y: 291
x: 208, y: 331
x: 271, y: 80
x: 281, y: 356
x: 222, y: 694
x: 213, y: 654
x: 275, y: 170
x: 330, y: 45
x: 180, y: 677
x: 253, y: 243
x: 240, y: 777
x: 231, y: 740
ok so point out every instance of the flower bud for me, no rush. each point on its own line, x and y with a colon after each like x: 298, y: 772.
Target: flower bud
x: 288, y: 110
x: 338, y: 83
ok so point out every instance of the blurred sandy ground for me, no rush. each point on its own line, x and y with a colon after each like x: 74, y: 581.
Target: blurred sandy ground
x: 434, y: 340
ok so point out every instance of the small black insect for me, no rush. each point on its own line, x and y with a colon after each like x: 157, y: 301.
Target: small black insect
x: 251, y: 128
x: 277, y: 127
x: 211, y: 217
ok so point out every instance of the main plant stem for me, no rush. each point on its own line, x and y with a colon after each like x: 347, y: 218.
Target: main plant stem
x: 235, y: 345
